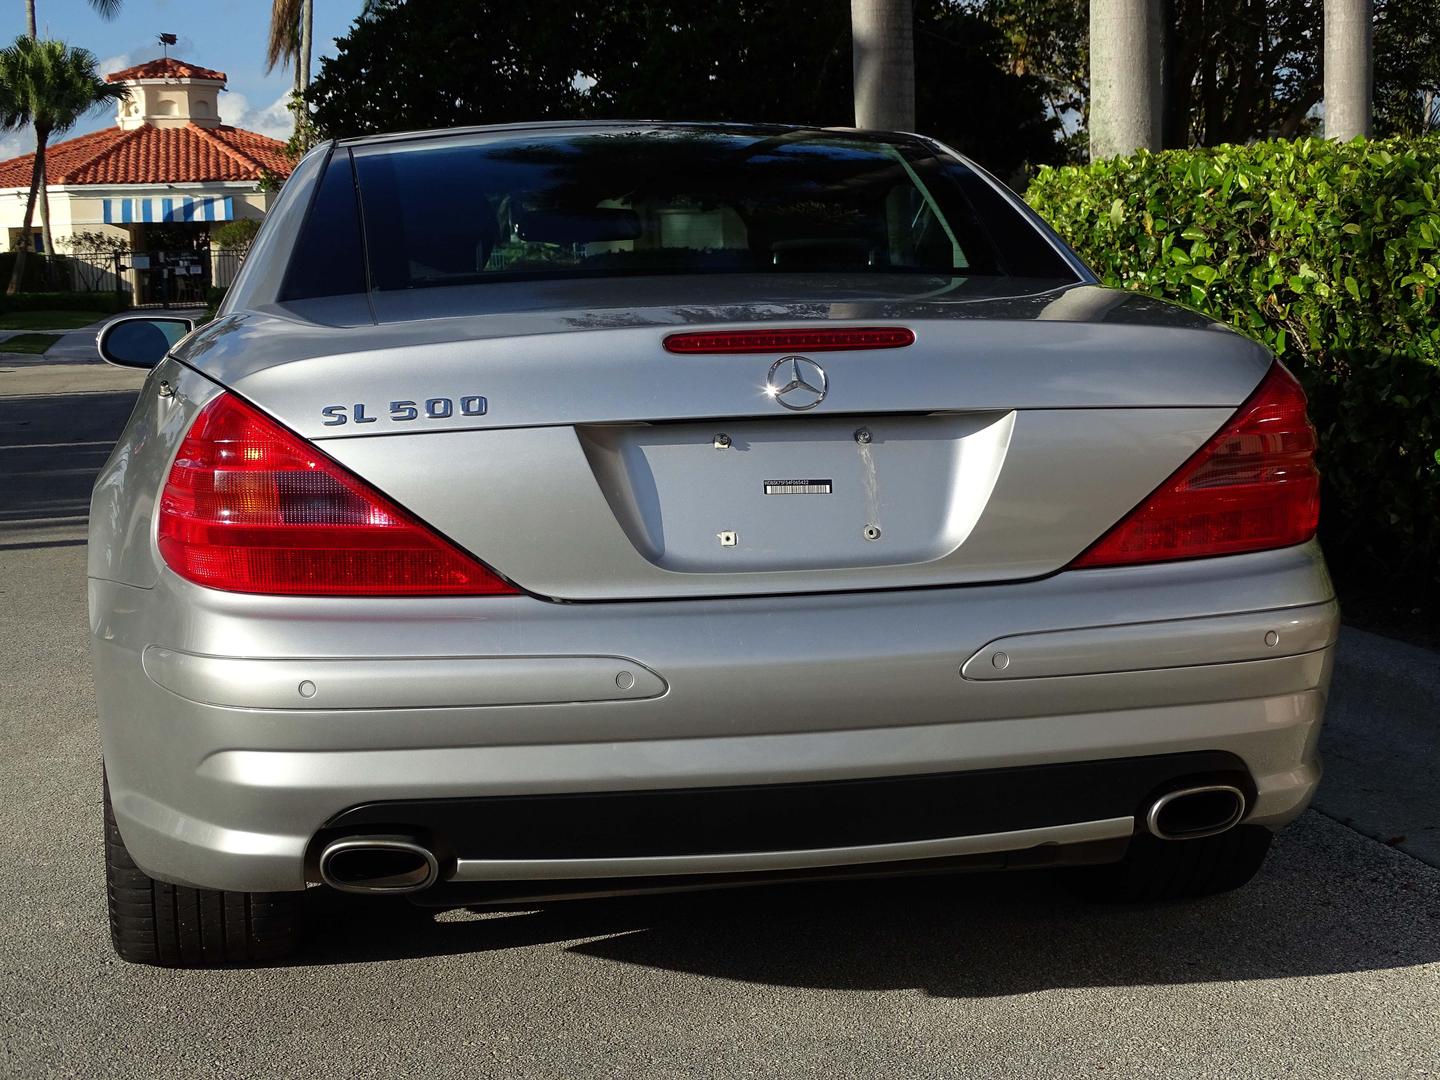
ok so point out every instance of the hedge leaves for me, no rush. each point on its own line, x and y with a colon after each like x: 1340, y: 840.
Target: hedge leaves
x: 1330, y: 255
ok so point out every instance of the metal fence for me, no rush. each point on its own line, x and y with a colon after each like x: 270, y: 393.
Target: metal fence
x: 88, y: 272
x: 139, y: 278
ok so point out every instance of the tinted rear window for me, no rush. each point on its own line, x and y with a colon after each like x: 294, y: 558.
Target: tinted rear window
x: 592, y: 203
x: 328, y: 259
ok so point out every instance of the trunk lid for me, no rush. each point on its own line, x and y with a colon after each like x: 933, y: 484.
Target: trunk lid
x: 557, y: 440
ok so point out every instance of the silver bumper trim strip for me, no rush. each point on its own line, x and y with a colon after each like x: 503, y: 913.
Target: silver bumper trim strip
x: 398, y: 682
x: 1152, y: 646
x: 747, y: 861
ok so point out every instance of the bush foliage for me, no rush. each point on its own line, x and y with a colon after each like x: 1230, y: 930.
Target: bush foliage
x: 1330, y: 255
x: 63, y: 301
x: 235, y: 235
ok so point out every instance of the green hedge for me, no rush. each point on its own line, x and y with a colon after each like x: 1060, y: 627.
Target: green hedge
x: 37, y: 273
x: 63, y: 301
x: 1330, y: 255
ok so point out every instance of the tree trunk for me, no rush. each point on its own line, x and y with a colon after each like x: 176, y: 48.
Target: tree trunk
x: 48, y: 241
x: 1207, y: 105
x: 307, y: 26
x: 1179, y: 77
x: 30, y: 19
x: 883, y: 49
x: 17, y: 273
x: 295, y: 99
x: 1348, y: 68
x: 1249, y: 110
x: 1125, y: 83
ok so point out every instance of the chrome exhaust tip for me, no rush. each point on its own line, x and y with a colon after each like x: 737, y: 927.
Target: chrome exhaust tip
x: 378, y: 864
x: 1193, y: 812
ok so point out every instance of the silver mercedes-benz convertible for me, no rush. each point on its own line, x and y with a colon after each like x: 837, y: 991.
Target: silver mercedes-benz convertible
x: 573, y: 509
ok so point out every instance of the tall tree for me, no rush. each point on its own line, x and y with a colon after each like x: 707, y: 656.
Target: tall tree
x: 292, y: 24
x: 1049, y: 41
x: 1126, y: 39
x: 106, y: 9
x: 1407, y: 67
x: 432, y: 63
x: 1349, y: 70
x: 883, y: 51
x: 49, y: 86
x: 1235, y: 70
x: 1240, y: 69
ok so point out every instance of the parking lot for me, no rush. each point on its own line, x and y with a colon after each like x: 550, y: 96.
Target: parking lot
x: 1328, y: 964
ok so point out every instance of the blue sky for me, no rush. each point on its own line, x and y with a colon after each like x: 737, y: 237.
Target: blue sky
x: 228, y: 35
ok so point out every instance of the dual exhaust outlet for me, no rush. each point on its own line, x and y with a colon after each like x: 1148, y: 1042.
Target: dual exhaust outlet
x: 397, y: 865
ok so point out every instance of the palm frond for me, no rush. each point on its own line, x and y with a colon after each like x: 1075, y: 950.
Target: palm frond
x: 284, y: 42
x: 50, y: 85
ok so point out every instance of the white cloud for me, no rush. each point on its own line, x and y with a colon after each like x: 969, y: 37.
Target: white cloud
x: 273, y: 119
x: 15, y: 144
x: 116, y: 63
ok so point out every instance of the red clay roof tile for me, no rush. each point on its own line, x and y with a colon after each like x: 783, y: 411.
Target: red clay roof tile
x: 167, y: 68
x: 155, y: 155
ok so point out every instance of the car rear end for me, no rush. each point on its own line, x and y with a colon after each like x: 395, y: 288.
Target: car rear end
x: 576, y: 510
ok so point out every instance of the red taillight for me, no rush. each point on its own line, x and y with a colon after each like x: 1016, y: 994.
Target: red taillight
x: 1252, y: 487
x: 251, y: 507
x: 769, y: 341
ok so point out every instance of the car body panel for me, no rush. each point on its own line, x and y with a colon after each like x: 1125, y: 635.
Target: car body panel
x: 125, y: 497
x: 759, y: 690
x: 600, y: 357
x: 998, y: 503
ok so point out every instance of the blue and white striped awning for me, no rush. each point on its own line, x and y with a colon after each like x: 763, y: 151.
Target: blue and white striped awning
x: 180, y: 208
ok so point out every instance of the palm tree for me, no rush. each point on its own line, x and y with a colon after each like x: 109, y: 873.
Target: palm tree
x: 291, y: 24
x: 883, y: 36
x: 48, y: 86
x: 1126, y: 89
x: 106, y: 9
x: 1349, y: 68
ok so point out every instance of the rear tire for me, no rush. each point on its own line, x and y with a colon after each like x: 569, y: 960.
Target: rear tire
x: 1155, y: 869
x: 154, y: 922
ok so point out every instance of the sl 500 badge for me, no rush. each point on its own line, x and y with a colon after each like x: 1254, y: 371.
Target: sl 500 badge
x: 401, y: 412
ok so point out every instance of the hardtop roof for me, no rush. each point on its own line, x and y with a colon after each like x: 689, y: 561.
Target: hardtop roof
x: 561, y: 127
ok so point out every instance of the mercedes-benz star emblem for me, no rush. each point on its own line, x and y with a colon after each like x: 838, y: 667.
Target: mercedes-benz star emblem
x: 797, y: 383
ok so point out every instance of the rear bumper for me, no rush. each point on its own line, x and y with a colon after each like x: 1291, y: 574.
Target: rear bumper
x: 237, y: 728
x: 501, y: 846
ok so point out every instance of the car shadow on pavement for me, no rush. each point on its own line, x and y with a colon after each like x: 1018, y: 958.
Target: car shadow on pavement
x: 1328, y: 902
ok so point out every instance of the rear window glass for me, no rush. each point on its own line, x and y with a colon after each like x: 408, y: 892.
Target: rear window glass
x: 682, y: 201
x: 328, y: 259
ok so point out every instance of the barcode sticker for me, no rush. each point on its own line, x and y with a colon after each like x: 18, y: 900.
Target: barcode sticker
x: 797, y: 487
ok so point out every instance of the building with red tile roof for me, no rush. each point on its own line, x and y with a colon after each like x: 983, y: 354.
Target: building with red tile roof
x: 160, y: 178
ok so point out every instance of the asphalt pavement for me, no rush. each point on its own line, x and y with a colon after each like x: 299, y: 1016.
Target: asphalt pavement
x: 1327, y: 965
